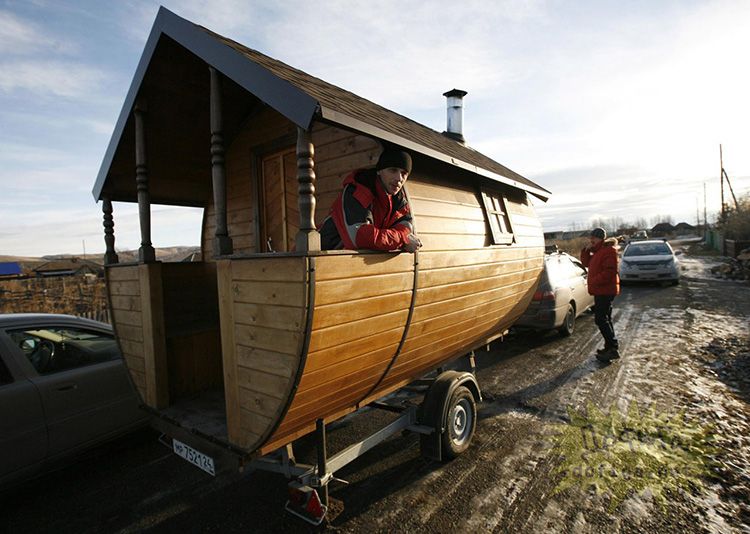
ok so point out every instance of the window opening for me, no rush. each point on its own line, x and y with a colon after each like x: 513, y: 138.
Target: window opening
x: 497, y: 215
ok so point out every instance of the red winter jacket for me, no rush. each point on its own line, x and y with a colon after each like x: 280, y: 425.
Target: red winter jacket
x: 365, y: 216
x: 601, y: 261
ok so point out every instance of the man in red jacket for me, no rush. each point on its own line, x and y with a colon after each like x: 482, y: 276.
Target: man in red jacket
x: 372, y: 211
x: 604, y: 284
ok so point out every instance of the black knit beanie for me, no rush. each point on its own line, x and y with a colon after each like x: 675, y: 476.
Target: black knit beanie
x: 599, y: 232
x: 393, y: 157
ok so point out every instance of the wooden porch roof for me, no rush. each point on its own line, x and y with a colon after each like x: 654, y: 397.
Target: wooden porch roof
x: 170, y: 66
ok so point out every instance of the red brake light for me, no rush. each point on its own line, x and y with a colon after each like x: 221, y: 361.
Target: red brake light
x: 544, y: 295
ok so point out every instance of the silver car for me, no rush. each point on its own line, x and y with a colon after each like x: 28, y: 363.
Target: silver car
x: 562, y: 295
x: 652, y: 260
x: 63, y: 389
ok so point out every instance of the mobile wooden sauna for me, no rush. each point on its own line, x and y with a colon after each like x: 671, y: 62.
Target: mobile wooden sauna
x: 282, y: 333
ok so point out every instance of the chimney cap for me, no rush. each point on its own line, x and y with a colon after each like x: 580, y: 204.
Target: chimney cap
x: 456, y: 92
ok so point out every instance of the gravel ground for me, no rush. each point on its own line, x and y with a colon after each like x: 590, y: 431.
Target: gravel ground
x: 685, y: 366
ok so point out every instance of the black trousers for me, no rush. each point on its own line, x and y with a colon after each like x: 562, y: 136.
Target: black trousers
x: 603, y: 319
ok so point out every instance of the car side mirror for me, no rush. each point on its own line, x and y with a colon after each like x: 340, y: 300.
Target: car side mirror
x: 28, y: 345
x: 677, y: 252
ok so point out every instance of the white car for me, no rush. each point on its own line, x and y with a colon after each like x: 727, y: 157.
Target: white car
x: 651, y: 260
x: 562, y: 295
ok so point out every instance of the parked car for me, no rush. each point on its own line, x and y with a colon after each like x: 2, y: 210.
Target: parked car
x: 63, y: 389
x: 561, y: 297
x: 651, y: 260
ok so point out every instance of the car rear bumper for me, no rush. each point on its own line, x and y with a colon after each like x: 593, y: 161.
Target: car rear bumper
x: 542, y: 317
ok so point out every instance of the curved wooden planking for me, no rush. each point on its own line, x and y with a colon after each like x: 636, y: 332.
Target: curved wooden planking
x: 347, y: 357
x: 361, y: 304
x: 263, y: 304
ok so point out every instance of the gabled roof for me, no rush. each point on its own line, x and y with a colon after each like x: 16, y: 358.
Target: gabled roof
x: 301, y: 98
x: 72, y: 265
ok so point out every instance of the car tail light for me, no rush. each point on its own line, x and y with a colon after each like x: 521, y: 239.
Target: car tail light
x: 544, y: 295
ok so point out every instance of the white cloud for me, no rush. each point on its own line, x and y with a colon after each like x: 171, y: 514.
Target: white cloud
x: 20, y: 37
x: 65, y: 79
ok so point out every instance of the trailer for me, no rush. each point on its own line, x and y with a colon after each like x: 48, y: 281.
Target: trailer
x: 268, y: 338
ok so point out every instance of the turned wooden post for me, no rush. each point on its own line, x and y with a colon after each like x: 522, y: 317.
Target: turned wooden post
x: 146, y: 253
x: 222, y: 241
x: 110, y: 256
x: 307, y: 238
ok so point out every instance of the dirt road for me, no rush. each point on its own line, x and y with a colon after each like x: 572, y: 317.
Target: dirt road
x: 685, y: 350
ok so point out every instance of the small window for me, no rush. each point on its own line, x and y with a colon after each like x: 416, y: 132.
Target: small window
x: 497, y: 215
x: 56, y: 349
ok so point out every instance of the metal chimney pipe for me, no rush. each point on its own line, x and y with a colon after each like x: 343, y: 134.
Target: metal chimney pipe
x: 455, y: 114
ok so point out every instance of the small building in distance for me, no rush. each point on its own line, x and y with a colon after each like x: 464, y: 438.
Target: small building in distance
x: 10, y: 269
x: 69, y: 267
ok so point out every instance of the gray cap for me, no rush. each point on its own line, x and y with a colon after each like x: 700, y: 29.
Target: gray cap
x: 601, y: 233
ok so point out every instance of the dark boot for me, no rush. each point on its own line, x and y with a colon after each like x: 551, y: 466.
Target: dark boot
x: 608, y: 355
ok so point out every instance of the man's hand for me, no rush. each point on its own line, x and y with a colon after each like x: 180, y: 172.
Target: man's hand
x: 412, y: 244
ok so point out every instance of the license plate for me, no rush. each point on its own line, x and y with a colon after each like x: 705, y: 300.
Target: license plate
x: 196, y: 458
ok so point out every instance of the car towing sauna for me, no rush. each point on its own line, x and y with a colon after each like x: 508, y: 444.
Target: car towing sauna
x: 267, y: 338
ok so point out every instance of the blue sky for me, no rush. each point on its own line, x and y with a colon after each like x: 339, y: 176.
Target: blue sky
x: 617, y: 107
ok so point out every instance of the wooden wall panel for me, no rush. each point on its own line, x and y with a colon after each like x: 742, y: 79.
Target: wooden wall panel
x: 347, y: 290
x: 337, y: 153
x: 263, y: 308
x: 194, y: 363
x: 124, y: 292
x: 260, y: 129
x: 154, y: 335
x: 328, y: 315
x: 371, y: 294
x: 191, y: 322
x: 191, y: 301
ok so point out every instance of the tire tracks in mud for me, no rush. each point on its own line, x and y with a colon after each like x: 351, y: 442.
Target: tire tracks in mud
x: 505, y: 479
x: 531, y: 490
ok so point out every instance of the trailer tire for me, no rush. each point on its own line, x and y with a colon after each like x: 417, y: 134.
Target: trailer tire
x: 460, y: 423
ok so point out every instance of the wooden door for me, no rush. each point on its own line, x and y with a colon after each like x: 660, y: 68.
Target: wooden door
x: 280, y: 221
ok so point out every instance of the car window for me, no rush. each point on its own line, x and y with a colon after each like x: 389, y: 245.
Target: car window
x: 55, y: 349
x: 648, y: 249
x: 5, y: 376
x: 575, y: 268
x: 555, y: 271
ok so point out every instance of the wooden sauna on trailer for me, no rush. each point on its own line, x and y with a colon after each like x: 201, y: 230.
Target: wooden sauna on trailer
x: 267, y: 335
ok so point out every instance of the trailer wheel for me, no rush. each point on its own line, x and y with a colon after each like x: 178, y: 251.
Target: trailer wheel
x: 460, y: 423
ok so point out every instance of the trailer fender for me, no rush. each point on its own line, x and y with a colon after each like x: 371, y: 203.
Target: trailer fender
x: 433, y: 412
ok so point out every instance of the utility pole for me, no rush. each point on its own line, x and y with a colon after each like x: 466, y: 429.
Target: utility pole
x: 721, y: 178
x: 697, y: 213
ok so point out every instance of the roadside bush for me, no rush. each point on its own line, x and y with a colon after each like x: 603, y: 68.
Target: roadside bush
x: 571, y: 246
x: 736, y: 223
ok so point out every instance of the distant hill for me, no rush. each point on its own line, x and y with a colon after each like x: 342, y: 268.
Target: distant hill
x: 166, y: 254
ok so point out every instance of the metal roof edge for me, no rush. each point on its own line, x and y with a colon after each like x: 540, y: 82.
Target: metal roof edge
x: 140, y: 71
x: 295, y: 104
x: 358, y: 125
